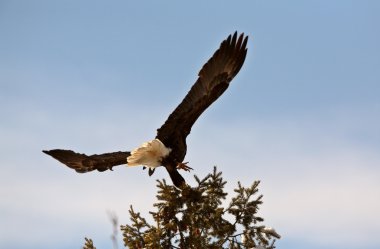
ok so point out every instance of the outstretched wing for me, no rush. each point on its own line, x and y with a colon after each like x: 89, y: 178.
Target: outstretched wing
x: 83, y: 163
x: 213, y: 80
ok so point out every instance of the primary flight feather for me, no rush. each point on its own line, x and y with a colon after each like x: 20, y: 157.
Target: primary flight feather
x: 168, y: 149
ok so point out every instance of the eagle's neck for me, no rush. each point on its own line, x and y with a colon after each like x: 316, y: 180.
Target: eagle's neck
x: 149, y: 154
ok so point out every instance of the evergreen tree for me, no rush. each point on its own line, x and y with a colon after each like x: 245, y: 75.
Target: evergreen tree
x: 194, y: 217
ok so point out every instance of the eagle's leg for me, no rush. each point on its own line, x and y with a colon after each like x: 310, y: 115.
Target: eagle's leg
x: 151, y: 171
x: 184, y: 166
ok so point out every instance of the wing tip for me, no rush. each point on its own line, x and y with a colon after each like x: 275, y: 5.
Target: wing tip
x: 235, y: 41
x: 50, y: 152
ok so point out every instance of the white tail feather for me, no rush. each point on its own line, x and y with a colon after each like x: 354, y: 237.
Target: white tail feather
x: 148, y: 154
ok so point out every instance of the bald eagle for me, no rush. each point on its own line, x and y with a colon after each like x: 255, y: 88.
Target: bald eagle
x: 168, y: 149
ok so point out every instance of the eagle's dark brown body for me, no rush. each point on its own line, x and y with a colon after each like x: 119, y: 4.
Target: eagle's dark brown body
x: 213, y: 80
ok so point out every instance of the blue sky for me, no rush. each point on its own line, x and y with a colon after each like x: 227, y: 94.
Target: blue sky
x: 302, y: 116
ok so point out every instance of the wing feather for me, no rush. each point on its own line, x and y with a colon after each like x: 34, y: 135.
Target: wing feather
x: 213, y: 80
x: 82, y: 163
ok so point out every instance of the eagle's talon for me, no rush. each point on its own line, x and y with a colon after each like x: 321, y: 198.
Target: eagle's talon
x: 184, y: 166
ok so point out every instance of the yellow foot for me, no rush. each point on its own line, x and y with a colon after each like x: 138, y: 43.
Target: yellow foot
x: 184, y: 166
